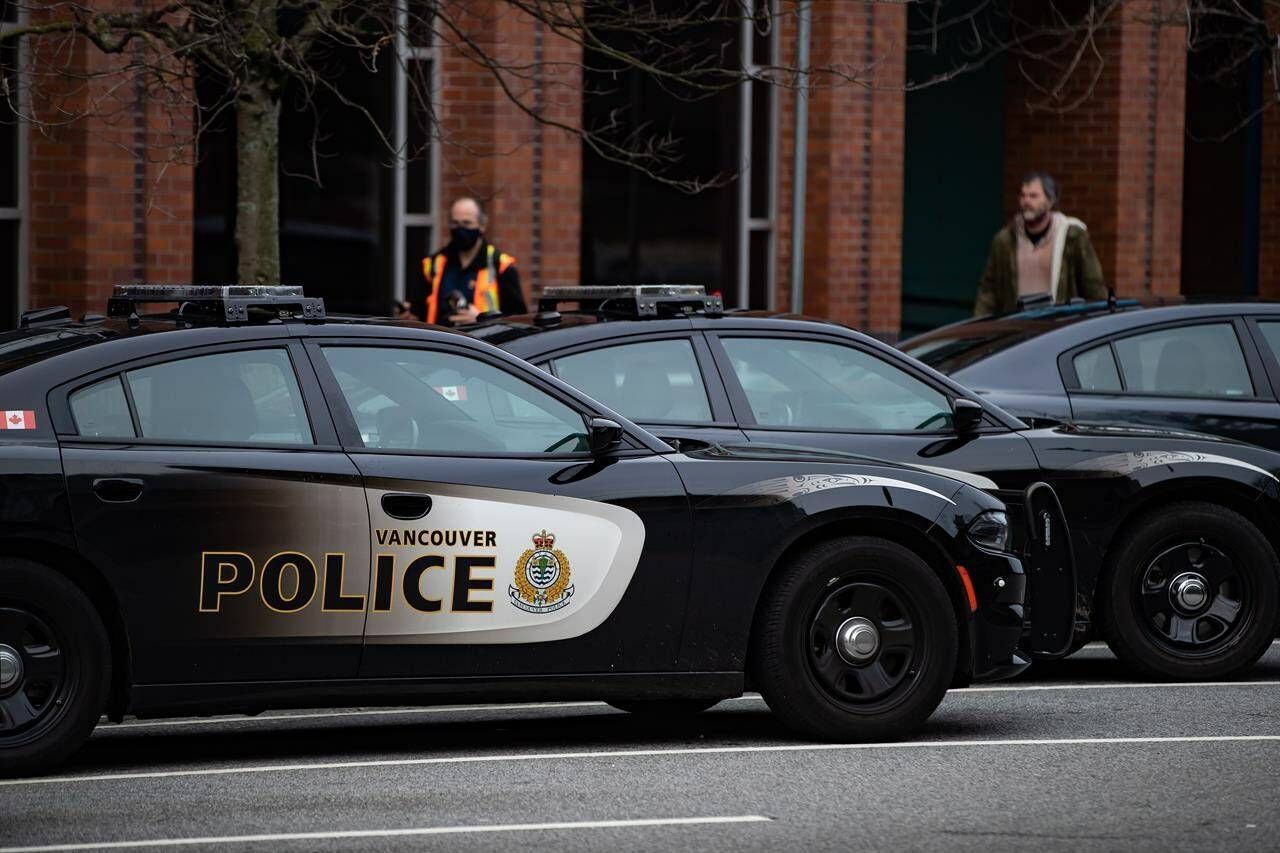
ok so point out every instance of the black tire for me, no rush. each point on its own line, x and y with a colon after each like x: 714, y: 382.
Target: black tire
x: 65, y: 674
x: 827, y: 697
x: 662, y: 708
x: 1146, y: 621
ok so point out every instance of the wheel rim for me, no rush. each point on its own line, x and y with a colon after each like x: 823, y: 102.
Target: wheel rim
x: 865, y: 644
x: 35, y: 680
x: 1193, y: 599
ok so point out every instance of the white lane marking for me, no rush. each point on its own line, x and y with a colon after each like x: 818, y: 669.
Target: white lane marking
x: 391, y: 833
x: 1114, y: 685
x: 627, y: 753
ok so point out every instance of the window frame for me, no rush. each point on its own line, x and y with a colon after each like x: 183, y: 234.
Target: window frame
x: 1269, y: 359
x: 323, y: 436
x: 746, y: 415
x: 19, y: 213
x: 717, y: 399
x: 1262, y: 390
x: 349, y: 433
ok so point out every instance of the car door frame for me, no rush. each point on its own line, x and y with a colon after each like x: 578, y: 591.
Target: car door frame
x: 1270, y: 362
x: 1263, y: 389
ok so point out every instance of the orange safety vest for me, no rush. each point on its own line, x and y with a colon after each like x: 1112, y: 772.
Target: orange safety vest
x: 486, y: 289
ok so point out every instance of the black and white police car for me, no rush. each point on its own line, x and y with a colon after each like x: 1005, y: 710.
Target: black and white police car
x: 240, y: 504
x: 1174, y: 535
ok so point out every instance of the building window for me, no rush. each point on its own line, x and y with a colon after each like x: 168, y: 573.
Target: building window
x: 13, y: 180
x: 757, y: 144
x: 417, y: 168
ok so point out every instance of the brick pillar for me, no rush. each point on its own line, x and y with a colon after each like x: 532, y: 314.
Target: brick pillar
x: 529, y: 175
x: 1269, y: 206
x: 1114, y: 141
x: 853, y: 214
x: 106, y: 206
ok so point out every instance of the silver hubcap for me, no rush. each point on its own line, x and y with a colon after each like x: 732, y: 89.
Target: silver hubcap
x: 10, y: 667
x: 857, y: 640
x: 1189, y: 592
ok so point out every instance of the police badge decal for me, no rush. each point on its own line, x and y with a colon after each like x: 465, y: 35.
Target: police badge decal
x: 542, y: 577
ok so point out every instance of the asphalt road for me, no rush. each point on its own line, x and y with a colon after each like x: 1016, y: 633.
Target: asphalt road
x: 1076, y: 757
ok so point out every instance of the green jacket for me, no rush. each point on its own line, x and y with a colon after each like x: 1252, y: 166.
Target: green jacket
x: 1079, y: 273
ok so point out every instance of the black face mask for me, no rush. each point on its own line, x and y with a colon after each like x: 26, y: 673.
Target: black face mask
x: 464, y: 238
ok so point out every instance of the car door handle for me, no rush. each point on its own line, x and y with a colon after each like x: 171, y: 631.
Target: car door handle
x: 117, y: 490
x: 406, y: 507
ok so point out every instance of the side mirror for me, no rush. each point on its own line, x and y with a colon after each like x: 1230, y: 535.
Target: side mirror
x: 966, y: 415
x: 603, y: 435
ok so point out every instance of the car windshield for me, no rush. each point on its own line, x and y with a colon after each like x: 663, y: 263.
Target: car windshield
x: 949, y: 352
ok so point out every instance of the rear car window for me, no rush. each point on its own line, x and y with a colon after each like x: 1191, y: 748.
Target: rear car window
x: 247, y: 396
x: 647, y: 381
x: 1194, y: 361
x: 101, y: 410
x: 1096, y: 369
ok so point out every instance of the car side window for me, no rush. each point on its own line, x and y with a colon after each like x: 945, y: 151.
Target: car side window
x: 412, y: 399
x: 101, y: 410
x: 246, y: 396
x: 646, y: 381
x: 1096, y: 369
x: 1194, y: 361
x: 799, y: 383
x: 1271, y: 333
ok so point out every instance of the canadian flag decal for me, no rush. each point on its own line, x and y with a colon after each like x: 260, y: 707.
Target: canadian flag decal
x: 20, y: 420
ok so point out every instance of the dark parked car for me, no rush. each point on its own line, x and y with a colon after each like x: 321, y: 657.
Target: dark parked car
x: 1211, y: 368
x: 1174, y: 535
x: 243, y: 504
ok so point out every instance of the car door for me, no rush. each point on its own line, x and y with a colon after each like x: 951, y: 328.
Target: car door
x: 501, y: 545
x: 830, y: 392
x: 666, y: 383
x: 1203, y: 376
x: 209, y: 487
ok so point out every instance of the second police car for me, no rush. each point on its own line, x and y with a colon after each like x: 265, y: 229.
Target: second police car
x: 241, y: 504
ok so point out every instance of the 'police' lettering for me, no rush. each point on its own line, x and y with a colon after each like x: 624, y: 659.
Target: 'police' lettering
x: 384, y: 572
x: 334, y: 598
x: 413, y: 583
x: 223, y: 573
x: 272, y: 588
x: 463, y: 584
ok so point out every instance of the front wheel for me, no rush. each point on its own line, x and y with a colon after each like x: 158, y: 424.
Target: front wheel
x: 1191, y: 593
x: 55, y: 667
x: 856, y: 640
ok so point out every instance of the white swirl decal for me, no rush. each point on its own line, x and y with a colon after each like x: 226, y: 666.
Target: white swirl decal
x: 788, y: 488
x: 1138, y: 460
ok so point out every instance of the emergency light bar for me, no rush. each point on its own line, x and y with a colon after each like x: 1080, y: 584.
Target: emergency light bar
x: 231, y: 303
x: 639, y: 300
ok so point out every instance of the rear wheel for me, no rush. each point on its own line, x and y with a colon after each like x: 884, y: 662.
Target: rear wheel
x: 656, y: 708
x: 55, y: 668
x: 1191, y: 592
x: 856, y: 640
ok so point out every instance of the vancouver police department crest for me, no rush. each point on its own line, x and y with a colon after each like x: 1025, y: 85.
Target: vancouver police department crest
x: 542, y: 577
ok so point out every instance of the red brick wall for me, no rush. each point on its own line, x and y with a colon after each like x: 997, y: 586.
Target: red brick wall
x: 853, y: 214
x: 529, y: 175
x: 1113, y: 139
x: 93, y: 220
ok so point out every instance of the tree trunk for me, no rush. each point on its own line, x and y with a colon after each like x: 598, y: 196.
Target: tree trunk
x: 258, y: 186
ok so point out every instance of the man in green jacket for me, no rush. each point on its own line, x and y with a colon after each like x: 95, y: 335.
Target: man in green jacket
x: 1041, y: 252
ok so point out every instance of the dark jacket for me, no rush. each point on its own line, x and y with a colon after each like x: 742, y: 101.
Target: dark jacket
x: 1079, y: 273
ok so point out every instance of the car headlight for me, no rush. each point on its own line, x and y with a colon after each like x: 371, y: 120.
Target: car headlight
x: 991, y: 531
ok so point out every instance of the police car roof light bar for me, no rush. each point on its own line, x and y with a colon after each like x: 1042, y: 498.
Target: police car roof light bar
x: 640, y: 300
x: 232, y: 303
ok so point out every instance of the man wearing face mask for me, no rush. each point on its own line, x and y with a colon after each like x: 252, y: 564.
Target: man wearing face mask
x: 1042, y: 256
x: 470, y: 276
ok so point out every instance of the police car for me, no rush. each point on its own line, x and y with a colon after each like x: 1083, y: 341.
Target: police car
x: 241, y: 503
x: 1173, y: 535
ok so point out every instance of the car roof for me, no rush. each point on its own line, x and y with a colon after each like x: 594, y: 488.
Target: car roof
x: 973, y: 350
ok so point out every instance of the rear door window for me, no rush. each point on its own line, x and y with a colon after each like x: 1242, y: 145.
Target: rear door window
x: 646, y: 381
x: 101, y: 410
x: 1186, y: 361
x: 1096, y: 369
